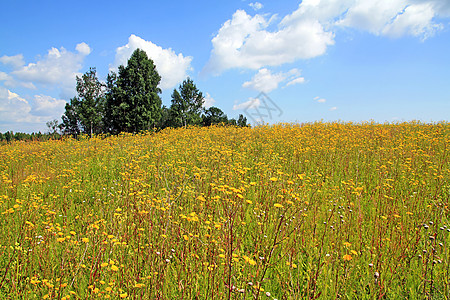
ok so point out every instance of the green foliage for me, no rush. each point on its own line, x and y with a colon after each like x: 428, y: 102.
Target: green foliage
x: 132, y: 99
x: 186, y: 105
x: 165, y: 117
x: 10, y: 136
x: 132, y: 103
x: 242, y: 121
x: 214, y: 115
x: 85, y: 112
x: 70, y: 120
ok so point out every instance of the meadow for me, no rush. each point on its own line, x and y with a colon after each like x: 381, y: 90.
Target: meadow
x: 286, y: 211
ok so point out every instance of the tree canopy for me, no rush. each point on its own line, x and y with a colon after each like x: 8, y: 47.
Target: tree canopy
x: 130, y: 102
x: 132, y: 99
x: 186, y: 105
x: 85, y: 112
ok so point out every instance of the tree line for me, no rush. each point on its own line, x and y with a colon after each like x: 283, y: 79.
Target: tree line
x: 130, y: 102
x: 10, y: 136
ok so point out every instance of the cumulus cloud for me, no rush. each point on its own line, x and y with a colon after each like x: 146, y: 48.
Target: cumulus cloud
x: 57, y: 65
x: 17, y: 113
x: 333, y: 108
x: 266, y: 81
x: 250, y: 42
x: 246, y: 42
x: 83, y: 48
x: 256, y: 5
x: 209, y: 101
x: 48, y: 106
x: 57, y: 69
x: 393, y: 18
x: 252, y: 103
x: 14, y: 108
x: 4, y: 76
x: 171, y: 67
x: 14, y: 61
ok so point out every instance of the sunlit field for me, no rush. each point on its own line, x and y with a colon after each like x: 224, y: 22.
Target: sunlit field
x: 313, y: 211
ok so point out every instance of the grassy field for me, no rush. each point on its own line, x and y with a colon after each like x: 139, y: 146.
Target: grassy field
x: 323, y: 210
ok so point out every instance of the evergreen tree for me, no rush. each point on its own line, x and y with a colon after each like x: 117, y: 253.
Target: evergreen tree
x: 132, y: 99
x: 186, y: 105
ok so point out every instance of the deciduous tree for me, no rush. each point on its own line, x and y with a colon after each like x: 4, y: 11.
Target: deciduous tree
x: 85, y: 112
x: 186, y: 105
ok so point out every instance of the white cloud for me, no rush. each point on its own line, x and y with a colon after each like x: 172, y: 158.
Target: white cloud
x: 245, y: 42
x: 209, y: 101
x: 18, y: 114
x: 11, y: 82
x: 249, y: 42
x: 15, y: 61
x: 83, y: 48
x: 252, y: 103
x: 415, y: 20
x: 14, y: 108
x: 321, y: 100
x: 4, y: 76
x: 48, y: 106
x: 393, y: 18
x: 266, y: 81
x: 171, y: 67
x: 333, y: 108
x: 58, y: 69
x: 256, y: 5
x: 297, y: 80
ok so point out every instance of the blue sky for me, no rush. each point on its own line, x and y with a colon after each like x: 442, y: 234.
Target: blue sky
x: 347, y: 60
